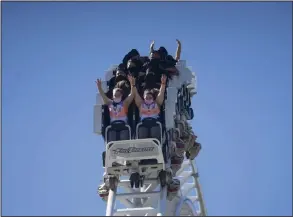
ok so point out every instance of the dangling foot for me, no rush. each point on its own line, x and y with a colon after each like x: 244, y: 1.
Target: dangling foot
x: 173, y: 189
x: 175, y: 134
x: 193, y: 151
x: 176, y: 163
x: 103, y: 191
x: 180, y: 147
x: 189, y: 141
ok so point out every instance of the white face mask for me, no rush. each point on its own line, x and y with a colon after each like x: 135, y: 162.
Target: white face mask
x: 117, y: 100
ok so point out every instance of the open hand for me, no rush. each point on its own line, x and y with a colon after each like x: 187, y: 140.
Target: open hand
x: 163, y: 79
x: 99, y: 83
x: 152, y: 45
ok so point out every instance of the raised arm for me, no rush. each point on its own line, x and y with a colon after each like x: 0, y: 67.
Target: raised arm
x: 138, y: 100
x: 130, y: 97
x: 161, y: 94
x: 106, y: 100
x: 152, y: 47
x: 178, y: 51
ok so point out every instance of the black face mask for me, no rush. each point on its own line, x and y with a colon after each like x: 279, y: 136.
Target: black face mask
x: 120, y: 78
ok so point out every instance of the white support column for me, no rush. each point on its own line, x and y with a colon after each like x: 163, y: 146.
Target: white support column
x: 162, y: 201
x: 111, y: 202
x: 203, y: 211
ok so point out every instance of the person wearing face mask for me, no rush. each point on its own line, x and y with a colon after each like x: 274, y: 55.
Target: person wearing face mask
x: 156, y: 67
x: 118, y: 108
x: 133, y: 54
x: 164, y: 52
x: 149, y: 107
x: 119, y: 81
x: 134, y: 66
x: 134, y: 62
x: 168, y: 62
x: 153, y: 71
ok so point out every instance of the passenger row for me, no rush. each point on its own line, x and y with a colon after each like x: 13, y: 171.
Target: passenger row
x: 147, y: 73
x: 146, y: 70
x: 148, y: 106
x: 149, y: 126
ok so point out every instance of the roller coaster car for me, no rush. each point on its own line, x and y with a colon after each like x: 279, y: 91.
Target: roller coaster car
x: 150, y: 135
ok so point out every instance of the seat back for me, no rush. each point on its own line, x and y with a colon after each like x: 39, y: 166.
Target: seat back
x: 149, y: 128
x: 117, y: 130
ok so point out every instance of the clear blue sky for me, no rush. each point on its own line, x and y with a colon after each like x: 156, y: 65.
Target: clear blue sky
x: 53, y: 52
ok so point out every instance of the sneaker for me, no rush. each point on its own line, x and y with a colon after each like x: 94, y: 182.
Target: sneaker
x: 180, y: 147
x: 173, y: 189
x: 175, y: 134
x: 174, y: 186
x: 176, y: 163
x: 175, y: 168
x: 189, y: 141
x: 103, y: 191
x: 185, y: 135
x: 193, y: 151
